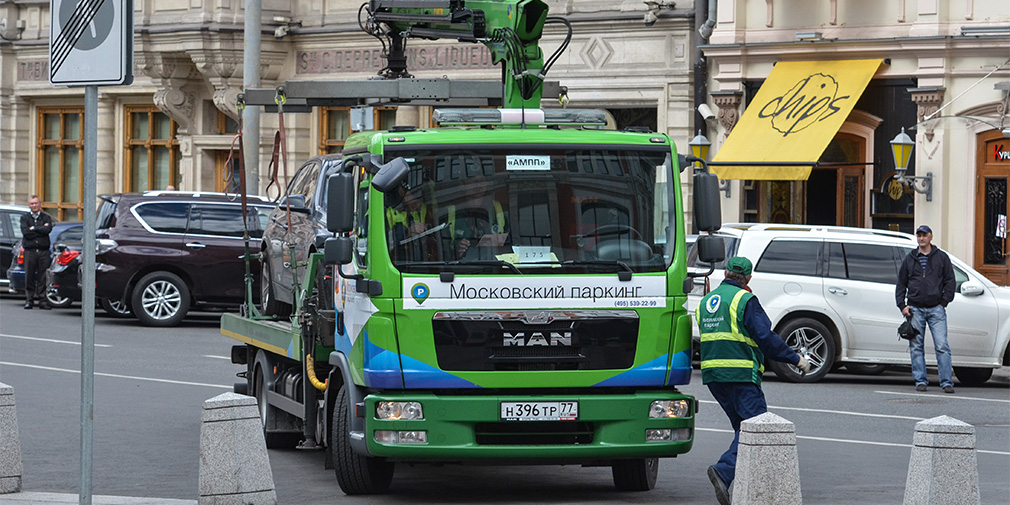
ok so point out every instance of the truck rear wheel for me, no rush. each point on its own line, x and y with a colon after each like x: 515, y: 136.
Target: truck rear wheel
x: 274, y: 439
x: 356, y: 474
x: 635, y: 474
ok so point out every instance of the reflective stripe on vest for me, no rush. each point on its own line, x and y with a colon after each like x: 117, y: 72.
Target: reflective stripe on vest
x: 394, y: 216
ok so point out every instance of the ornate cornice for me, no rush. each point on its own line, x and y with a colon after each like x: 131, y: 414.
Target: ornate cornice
x: 927, y: 100
x: 729, y: 107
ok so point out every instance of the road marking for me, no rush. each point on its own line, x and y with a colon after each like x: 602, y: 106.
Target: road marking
x: 842, y: 412
x: 958, y: 397
x: 217, y: 357
x: 167, y: 381
x: 861, y: 442
x: 49, y: 340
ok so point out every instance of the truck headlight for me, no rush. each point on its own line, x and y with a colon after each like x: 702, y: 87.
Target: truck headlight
x: 397, y: 411
x: 669, y: 408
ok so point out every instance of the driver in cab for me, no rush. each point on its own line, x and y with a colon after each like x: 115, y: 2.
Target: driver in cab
x: 479, y: 227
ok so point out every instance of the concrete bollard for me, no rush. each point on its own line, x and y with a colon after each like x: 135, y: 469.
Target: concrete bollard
x: 10, y: 443
x: 767, y: 467
x: 234, y: 466
x: 943, y: 469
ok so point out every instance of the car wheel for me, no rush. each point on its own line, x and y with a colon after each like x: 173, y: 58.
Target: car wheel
x: 972, y: 376
x: 115, y: 308
x: 56, y: 301
x: 635, y: 474
x: 819, y: 343
x: 865, y: 368
x: 160, y: 299
x: 269, y: 304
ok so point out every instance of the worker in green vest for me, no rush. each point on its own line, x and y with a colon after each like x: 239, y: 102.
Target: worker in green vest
x: 736, y: 337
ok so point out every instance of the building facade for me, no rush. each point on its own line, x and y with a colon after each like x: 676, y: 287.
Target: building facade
x: 942, y: 73
x: 176, y: 124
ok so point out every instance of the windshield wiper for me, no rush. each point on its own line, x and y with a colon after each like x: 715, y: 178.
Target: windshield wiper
x: 501, y: 263
x: 624, y: 274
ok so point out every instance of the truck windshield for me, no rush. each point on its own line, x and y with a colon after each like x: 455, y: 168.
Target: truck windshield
x: 541, y: 209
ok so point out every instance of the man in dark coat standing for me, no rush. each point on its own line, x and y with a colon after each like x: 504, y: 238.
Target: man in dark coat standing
x: 35, y: 228
x: 925, y: 287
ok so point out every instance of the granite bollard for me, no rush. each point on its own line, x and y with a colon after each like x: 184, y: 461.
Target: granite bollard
x: 234, y: 466
x: 10, y: 443
x: 943, y: 469
x: 767, y: 467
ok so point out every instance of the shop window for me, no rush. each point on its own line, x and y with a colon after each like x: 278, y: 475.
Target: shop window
x: 152, y: 150
x: 335, y: 126
x: 61, y: 161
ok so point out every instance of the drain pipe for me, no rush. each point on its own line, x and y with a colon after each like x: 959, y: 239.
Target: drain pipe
x: 704, y: 19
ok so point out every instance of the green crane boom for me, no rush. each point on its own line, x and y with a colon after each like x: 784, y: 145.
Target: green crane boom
x: 511, y: 30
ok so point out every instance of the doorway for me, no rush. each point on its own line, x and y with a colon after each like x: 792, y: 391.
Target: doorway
x: 992, y: 207
x: 834, y: 191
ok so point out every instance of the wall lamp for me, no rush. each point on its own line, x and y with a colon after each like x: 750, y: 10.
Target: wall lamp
x: 901, y: 148
x: 699, y: 148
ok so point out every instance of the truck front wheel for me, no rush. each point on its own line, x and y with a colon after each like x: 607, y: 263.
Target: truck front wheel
x: 356, y: 474
x: 635, y: 474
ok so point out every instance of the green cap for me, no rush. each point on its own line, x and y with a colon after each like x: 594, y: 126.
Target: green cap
x: 740, y: 265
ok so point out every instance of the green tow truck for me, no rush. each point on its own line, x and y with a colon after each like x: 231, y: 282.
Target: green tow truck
x: 506, y: 288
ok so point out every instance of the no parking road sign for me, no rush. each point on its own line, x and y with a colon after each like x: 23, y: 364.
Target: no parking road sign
x: 91, y: 42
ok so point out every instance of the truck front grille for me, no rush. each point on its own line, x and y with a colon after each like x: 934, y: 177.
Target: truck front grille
x: 535, y: 340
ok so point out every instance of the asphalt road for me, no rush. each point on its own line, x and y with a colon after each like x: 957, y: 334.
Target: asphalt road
x: 854, y: 432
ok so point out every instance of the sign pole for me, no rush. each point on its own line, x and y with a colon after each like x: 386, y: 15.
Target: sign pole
x: 88, y: 294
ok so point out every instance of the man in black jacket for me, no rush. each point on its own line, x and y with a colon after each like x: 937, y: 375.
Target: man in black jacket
x: 925, y: 287
x: 35, y: 228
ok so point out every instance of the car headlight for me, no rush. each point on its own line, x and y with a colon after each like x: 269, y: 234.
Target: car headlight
x: 669, y: 408
x: 396, y: 411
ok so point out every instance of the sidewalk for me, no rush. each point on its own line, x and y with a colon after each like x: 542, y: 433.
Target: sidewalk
x: 56, y: 498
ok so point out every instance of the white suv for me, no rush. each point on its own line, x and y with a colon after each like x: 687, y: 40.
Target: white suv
x: 831, y: 289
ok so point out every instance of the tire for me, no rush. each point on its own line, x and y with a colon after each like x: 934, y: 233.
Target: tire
x: 160, y: 299
x: 356, y: 474
x: 635, y: 474
x: 269, y: 304
x: 866, y: 368
x: 274, y: 440
x: 819, y: 342
x: 56, y: 301
x: 972, y: 376
x: 115, y: 308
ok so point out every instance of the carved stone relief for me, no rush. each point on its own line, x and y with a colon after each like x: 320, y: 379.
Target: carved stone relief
x: 927, y: 100
x: 729, y: 107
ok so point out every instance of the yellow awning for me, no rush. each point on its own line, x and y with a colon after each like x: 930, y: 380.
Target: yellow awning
x: 797, y: 111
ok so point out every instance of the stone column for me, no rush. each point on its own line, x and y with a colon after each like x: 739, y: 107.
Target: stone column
x: 943, y: 469
x: 234, y: 466
x: 10, y: 443
x: 767, y: 467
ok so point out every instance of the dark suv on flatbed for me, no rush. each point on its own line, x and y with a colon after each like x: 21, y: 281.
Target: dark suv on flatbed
x: 165, y: 252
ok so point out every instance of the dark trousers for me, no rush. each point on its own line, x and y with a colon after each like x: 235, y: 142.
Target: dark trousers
x: 740, y: 401
x: 36, y: 266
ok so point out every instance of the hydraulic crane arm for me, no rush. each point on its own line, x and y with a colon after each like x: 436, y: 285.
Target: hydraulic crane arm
x: 511, y: 30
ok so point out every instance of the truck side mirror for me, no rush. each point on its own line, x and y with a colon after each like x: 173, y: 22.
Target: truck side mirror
x: 711, y: 249
x: 338, y: 251
x: 390, y: 175
x: 707, y: 213
x: 340, y: 203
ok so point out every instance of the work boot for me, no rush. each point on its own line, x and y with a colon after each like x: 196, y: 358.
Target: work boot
x: 948, y: 389
x: 44, y: 305
x: 28, y: 305
x: 721, y: 489
x: 920, y: 387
